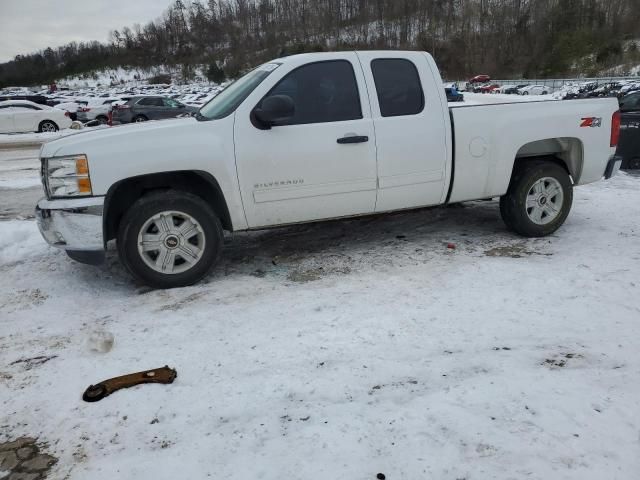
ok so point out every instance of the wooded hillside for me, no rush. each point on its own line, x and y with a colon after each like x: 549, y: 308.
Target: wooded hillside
x: 504, y: 38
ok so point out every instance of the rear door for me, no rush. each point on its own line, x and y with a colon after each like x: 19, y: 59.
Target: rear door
x: 321, y: 162
x: 410, y: 116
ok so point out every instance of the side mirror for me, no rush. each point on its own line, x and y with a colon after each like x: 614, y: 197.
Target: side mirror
x: 275, y: 109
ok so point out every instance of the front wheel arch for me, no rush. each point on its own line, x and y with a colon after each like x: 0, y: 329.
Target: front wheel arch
x: 170, y: 239
x: 124, y: 193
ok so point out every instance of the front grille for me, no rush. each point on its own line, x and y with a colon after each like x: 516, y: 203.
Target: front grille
x: 43, y: 176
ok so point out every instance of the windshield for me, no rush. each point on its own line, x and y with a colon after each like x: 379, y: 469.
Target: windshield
x: 231, y: 97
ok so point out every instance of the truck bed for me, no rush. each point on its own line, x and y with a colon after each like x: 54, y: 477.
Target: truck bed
x: 489, y: 137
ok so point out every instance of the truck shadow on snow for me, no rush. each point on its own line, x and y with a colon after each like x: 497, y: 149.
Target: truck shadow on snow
x: 303, y: 253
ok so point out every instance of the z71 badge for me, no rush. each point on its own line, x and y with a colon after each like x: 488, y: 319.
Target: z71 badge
x: 591, y: 122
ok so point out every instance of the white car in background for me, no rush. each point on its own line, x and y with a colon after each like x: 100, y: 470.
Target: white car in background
x: 20, y: 116
x: 97, y: 109
x: 534, y: 90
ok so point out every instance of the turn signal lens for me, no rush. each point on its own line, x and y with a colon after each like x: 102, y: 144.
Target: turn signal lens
x: 82, y: 166
x: 84, y: 186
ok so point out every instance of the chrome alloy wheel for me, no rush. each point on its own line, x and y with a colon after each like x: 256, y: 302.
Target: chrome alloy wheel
x: 48, y: 127
x: 171, y: 242
x: 544, y: 201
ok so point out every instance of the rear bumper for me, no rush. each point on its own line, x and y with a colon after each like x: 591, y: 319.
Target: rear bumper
x: 74, y: 226
x: 613, y: 166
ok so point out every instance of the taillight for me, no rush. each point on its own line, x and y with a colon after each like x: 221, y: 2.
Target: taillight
x: 85, y: 109
x: 67, y: 114
x: 122, y: 107
x: 615, y: 129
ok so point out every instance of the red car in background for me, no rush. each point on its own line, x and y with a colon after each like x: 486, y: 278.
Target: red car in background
x: 480, y: 79
x: 489, y: 88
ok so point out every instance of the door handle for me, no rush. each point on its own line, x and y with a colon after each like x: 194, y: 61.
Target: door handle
x: 353, y: 139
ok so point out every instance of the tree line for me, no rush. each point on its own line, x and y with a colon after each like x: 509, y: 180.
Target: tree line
x: 504, y: 38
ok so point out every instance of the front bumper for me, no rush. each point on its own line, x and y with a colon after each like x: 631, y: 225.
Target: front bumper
x: 74, y: 225
x: 613, y: 166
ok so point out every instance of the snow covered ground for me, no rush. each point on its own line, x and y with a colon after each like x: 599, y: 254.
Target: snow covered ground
x: 340, y: 350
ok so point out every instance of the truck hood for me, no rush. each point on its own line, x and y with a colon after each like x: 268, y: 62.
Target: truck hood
x: 185, y: 144
x: 117, y: 138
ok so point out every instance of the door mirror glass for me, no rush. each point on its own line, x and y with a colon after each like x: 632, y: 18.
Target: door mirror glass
x: 275, y: 109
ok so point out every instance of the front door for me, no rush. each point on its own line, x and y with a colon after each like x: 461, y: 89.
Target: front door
x: 310, y: 166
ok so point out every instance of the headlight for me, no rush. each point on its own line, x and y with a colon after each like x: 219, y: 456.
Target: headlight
x: 67, y: 176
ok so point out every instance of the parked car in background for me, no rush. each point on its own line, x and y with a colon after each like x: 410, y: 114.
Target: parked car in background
x: 453, y: 95
x: 143, y: 108
x: 629, y: 144
x: 628, y: 88
x: 98, y: 110
x: 491, y: 88
x: 480, y: 79
x: 39, y: 99
x: 512, y: 89
x: 21, y: 116
x: 71, y: 106
x: 534, y: 90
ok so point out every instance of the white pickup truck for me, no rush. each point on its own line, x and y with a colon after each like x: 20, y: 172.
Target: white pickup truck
x: 313, y: 137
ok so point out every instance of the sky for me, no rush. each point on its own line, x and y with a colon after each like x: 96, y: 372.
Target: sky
x: 30, y: 25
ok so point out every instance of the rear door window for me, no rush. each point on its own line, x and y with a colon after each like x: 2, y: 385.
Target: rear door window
x: 398, y: 87
x: 151, y: 102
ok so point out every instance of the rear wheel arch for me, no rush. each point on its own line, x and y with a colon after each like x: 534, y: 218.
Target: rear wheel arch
x: 126, y: 192
x: 567, y: 152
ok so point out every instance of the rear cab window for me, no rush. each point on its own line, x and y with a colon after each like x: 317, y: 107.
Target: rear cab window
x: 398, y: 87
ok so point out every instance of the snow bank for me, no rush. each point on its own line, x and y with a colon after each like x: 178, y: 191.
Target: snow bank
x: 19, y: 240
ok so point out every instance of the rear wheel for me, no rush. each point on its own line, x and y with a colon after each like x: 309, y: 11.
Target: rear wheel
x: 539, y: 198
x: 140, y: 118
x: 170, y: 239
x: 102, y: 119
x: 48, y: 126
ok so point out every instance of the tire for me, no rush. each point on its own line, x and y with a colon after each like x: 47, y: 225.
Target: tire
x: 525, y: 93
x: 102, y: 119
x: 139, y: 119
x: 167, y: 265
x: 48, y: 126
x: 632, y: 164
x: 539, y: 198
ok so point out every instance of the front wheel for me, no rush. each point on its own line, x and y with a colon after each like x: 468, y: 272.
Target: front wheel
x: 538, y: 200
x: 140, y: 119
x: 169, y: 239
